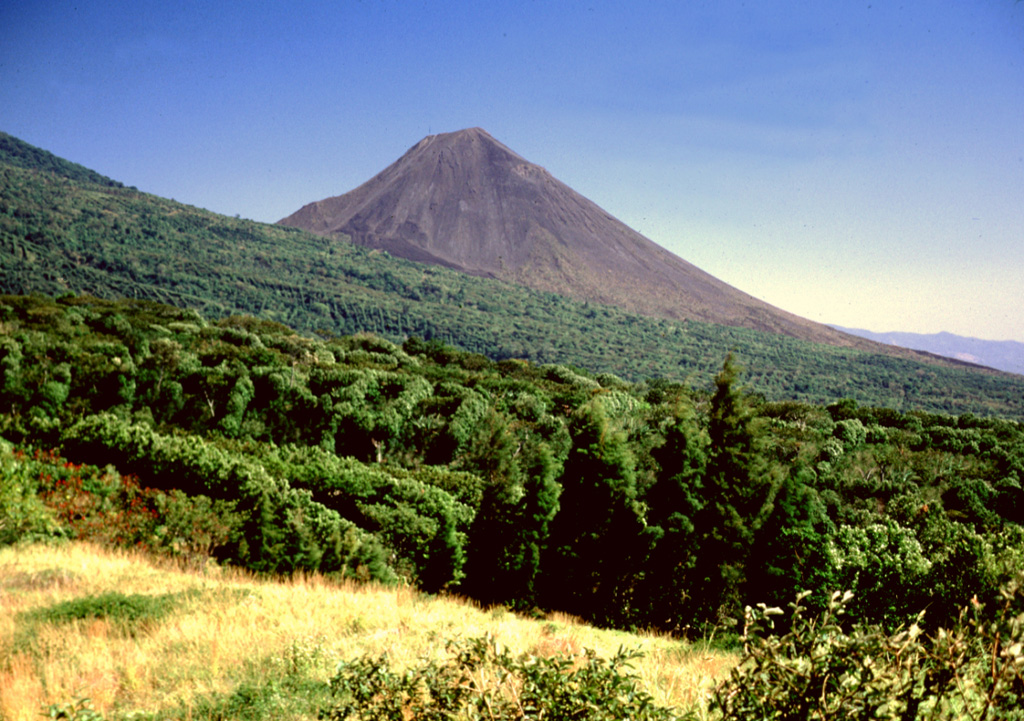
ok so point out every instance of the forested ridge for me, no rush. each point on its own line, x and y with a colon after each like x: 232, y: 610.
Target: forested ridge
x: 536, y: 486
x: 62, y: 231
x: 20, y: 154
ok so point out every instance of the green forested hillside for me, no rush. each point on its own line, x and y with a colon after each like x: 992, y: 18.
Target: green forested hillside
x: 648, y: 505
x: 61, y: 234
x: 20, y: 154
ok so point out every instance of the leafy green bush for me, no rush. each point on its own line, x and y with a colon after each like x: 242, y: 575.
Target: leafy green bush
x: 193, y: 528
x: 22, y: 514
x: 823, y: 670
x: 285, y: 529
x: 885, y: 567
x: 481, y: 680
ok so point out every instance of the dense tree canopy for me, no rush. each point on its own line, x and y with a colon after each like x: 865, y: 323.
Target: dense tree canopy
x: 647, y: 505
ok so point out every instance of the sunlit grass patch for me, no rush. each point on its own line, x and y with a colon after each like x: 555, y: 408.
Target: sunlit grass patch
x: 153, y: 641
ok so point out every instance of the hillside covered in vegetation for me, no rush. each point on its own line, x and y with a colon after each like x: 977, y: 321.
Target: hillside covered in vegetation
x: 61, y: 231
x: 530, y: 485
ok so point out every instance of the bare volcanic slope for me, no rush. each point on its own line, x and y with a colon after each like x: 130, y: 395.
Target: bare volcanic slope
x: 466, y: 201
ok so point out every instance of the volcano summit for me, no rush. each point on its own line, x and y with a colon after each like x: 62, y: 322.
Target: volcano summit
x: 468, y: 202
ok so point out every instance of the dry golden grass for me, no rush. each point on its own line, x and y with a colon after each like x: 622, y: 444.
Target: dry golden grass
x: 234, y: 627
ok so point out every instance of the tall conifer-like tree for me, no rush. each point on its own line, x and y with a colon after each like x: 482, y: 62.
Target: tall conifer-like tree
x: 674, y: 502
x: 791, y: 548
x: 510, y: 530
x: 598, y: 541
x: 737, y: 496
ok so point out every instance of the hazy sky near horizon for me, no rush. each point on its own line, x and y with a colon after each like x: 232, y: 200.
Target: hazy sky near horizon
x: 857, y: 163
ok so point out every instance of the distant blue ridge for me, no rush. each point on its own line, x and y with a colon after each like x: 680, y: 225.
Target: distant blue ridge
x: 1004, y: 355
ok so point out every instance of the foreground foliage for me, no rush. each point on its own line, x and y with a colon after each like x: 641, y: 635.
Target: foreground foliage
x: 829, y: 667
x: 482, y: 680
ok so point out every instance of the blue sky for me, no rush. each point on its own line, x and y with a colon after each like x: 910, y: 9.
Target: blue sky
x: 858, y: 163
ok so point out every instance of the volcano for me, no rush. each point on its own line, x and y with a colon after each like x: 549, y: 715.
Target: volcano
x: 468, y: 202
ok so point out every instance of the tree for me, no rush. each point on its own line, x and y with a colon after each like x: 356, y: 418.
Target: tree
x: 598, y: 541
x: 737, y: 497
x: 510, y: 531
x: 673, y: 503
x: 790, y: 553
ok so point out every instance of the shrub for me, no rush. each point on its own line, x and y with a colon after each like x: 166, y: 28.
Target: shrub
x: 284, y: 530
x: 885, y: 566
x: 481, y: 680
x: 105, y: 507
x: 820, y: 670
x: 22, y: 514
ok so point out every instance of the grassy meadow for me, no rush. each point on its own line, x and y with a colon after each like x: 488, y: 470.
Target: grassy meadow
x: 144, y: 640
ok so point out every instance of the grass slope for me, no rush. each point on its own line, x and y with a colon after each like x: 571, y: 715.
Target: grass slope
x: 59, y: 235
x: 207, y: 644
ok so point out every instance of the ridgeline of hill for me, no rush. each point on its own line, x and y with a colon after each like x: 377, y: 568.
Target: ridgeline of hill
x: 1005, y: 355
x: 61, y: 235
x: 20, y: 154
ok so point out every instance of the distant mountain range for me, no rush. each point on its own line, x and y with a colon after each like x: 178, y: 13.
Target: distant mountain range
x: 466, y: 201
x: 1005, y: 355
